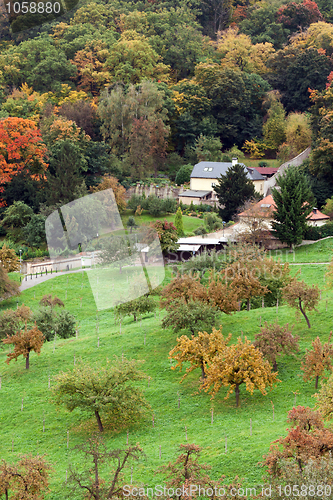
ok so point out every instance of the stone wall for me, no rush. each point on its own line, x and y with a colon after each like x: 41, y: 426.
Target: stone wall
x: 159, y: 191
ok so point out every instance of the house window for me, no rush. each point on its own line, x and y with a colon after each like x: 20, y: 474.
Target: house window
x: 208, y: 169
x: 213, y: 184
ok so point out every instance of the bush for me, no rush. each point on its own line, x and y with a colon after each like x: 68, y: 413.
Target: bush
x: 170, y: 205
x: 212, y: 222
x: 263, y: 163
x: 50, y: 322
x: 183, y: 174
x: 200, y: 230
x: 155, y: 206
x: 135, y: 307
x: 65, y: 324
x: 316, y: 233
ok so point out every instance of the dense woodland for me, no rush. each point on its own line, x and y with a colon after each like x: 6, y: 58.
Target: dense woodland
x: 139, y: 89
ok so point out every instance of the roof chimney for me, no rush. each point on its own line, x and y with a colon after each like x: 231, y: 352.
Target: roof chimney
x: 234, y: 161
x: 314, y: 210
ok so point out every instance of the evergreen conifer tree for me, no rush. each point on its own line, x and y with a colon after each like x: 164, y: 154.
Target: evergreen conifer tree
x: 233, y: 189
x: 294, y: 202
x: 179, y: 222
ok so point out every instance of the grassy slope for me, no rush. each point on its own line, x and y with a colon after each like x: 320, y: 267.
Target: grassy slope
x: 244, y: 451
x: 320, y: 251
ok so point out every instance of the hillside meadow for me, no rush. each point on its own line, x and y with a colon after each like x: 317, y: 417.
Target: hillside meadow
x: 21, y: 431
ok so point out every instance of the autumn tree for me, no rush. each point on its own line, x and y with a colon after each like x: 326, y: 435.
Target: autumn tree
x: 240, y: 363
x: 27, y: 479
x: 307, y: 439
x: 24, y: 342
x: 103, y: 389
x: 317, y: 360
x: 97, y: 454
x: 48, y: 300
x: 302, y: 297
x: 194, y: 316
x: 109, y: 182
x: 325, y: 398
x: 92, y: 74
x: 238, y: 52
x: 185, y: 288
x: 186, y: 470
x: 198, y: 351
x: 275, y: 340
x: 244, y: 278
x: 222, y: 294
x: 12, y: 320
x: 147, y: 146
x: 8, y: 288
x: 9, y: 260
x: 21, y: 149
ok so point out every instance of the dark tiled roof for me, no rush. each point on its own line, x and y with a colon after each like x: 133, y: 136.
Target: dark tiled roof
x: 194, y: 194
x: 214, y: 169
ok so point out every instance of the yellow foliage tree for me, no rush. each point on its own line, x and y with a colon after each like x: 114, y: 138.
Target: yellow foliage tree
x: 9, y: 259
x: 237, y: 51
x: 198, y: 351
x: 240, y: 363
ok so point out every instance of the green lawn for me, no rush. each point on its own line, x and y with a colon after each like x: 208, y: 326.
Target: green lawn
x: 255, y: 163
x: 190, y: 223
x: 320, y: 251
x: 24, y: 429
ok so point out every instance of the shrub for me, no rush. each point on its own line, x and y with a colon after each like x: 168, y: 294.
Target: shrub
x: 50, y: 322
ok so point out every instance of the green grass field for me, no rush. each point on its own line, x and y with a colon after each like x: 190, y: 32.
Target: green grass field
x: 320, y: 251
x: 190, y: 223
x: 23, y: 429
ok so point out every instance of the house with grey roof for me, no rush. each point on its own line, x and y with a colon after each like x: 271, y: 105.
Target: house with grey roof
x: 204, y: 178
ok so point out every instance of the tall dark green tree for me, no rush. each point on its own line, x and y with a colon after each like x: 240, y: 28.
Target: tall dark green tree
x: 294, y: 202
x: 233, y: 189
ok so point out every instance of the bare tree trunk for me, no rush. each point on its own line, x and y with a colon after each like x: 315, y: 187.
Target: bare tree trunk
x: 27, y: 361
x: 99, y: 421
x: 203, y: 374
x: 303, y: 312
x: 248, y: 304
x: 275, y: 365
x: 237, y: 395
x: 317, y: 379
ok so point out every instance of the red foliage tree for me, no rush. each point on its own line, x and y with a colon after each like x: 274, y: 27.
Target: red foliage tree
x: 308, y: 439
x: 299, y: 15
x: 21, y: 148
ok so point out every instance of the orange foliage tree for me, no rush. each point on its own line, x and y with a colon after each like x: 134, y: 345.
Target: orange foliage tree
x: 301, y: 296
x: 317, y: 360
x: 24, y: 342
x: 183, y: 287
x: 21, y: 148
x: 109, y: 182
x: 274, y: 340
x: 27, y: 479
x: 307, y: 439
